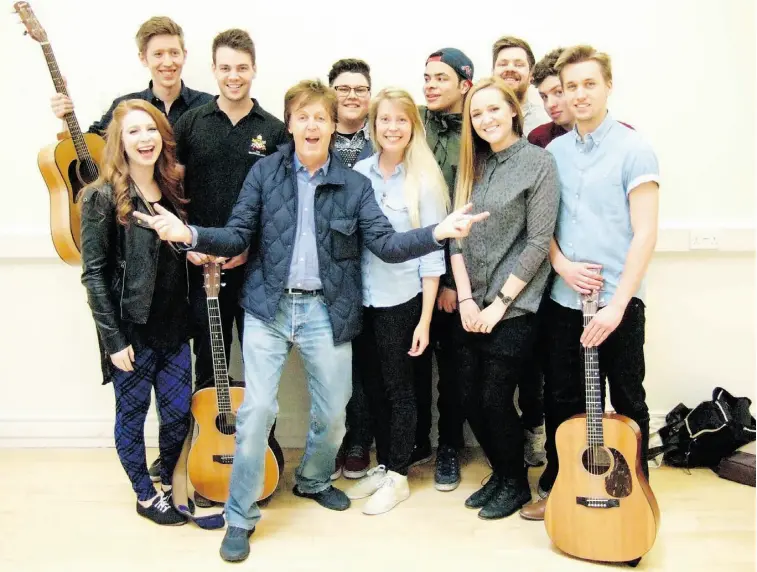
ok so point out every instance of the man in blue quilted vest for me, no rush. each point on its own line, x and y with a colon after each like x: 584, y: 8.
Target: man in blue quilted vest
x: 304, y: 216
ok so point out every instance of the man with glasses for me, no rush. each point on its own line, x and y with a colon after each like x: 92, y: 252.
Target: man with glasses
x: 351, y: 79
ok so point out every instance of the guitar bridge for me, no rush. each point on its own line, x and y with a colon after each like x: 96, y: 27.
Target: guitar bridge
x: 591, y: 502
x: 223, y: 459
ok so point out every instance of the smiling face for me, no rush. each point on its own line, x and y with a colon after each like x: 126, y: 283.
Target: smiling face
x: 586, y: 91
x: 394, y: 128
x: 354, y: 95
x: 141, y: 138
x: 312, y: 128
x: 492, y: 118
x: 512, y: 66
x: 234, y: 72
x: 442, y: 88
x: 164, y: 56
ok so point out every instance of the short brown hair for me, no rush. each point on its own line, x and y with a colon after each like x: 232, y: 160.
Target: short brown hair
x: 310, y: 91
x: 584, y: 53
x: 157, y: 26
x: 235, y: 39
x: 350, y: 65
x: 545, y: 67
x: 513, y: 42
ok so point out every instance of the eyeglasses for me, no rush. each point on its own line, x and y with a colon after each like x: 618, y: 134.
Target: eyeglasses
x: 360, y: 90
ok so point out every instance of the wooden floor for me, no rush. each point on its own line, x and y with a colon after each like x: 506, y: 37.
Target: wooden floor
x: 73, y: 510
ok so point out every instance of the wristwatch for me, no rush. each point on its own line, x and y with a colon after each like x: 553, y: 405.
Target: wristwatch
x: 506, y: 300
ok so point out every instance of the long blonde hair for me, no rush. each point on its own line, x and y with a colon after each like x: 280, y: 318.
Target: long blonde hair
x: 473, y: 149
x: 418, y: 160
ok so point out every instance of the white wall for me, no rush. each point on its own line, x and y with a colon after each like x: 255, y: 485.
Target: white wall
x: 684, y: 77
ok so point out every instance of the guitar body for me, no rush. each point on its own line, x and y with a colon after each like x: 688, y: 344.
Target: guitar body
x: 621, y: 533
x: 65, y: 176
x: 210, y: 458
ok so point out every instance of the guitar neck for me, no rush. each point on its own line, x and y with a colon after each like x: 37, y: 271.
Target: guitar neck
x: 223, y: 395
x: 82, y: 151
x: 594, y: 430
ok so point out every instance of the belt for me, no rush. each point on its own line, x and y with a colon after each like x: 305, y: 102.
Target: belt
x: 300, y: 292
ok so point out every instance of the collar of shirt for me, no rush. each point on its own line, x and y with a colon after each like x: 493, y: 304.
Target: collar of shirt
x: 323, y: 170
x: 376, y: 168
x: 149, y: 95
x: 590, y: 140
x: 505, y: 154
x: 213, y: 108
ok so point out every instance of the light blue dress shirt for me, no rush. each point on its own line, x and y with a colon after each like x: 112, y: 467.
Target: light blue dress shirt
x: 303, y: 271
x: 385, y: 284
x: 597, y: 173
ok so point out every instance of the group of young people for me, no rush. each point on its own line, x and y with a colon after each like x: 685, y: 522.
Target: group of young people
x: 372, y: 233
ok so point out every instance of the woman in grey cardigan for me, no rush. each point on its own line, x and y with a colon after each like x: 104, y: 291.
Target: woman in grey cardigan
x: 501, y: 270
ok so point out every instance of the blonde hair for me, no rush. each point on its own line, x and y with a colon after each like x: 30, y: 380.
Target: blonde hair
x: 584, y: 53
x: 418, y: 160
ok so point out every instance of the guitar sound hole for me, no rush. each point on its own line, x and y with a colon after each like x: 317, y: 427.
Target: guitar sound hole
x: 226, y: 423
x: 596, y: 460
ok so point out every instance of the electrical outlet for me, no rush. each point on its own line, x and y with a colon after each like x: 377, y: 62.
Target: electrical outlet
x: 704, y: 240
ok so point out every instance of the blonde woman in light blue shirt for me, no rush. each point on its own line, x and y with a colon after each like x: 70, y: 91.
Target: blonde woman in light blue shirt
x: 398, y: 299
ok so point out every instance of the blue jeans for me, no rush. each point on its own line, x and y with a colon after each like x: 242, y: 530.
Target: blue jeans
x: 301, y: 321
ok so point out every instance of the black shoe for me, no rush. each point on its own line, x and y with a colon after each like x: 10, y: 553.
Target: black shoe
x: 509, y: 498
x: 154, y: 470
x: 421, y: 454
x: 162, y: 512
x: 331, y: 498
x: 485, y: 493
x: 235, y: 546
x: 202, y: 502
x: 447, y: 474
x: 168, y: 495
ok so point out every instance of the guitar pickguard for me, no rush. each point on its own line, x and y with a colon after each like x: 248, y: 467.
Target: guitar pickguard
x: 618, y: 483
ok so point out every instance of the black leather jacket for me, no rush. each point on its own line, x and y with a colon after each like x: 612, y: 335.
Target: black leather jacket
x: 119, y: 266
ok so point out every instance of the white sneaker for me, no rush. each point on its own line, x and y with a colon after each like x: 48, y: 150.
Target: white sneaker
x: 393, y: 490
x: 368, y: 485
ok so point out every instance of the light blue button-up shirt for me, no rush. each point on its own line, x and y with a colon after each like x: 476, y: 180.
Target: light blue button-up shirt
x: 303, y: 271
x: 597, y: 173
x: 385, y: 284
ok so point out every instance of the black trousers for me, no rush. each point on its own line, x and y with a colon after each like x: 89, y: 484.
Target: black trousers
x: 359, y: 430
x: 491, y: 366
x: 387, y: 372
x: 231, y: 312
x: 621, y: 363
x: 444, y: 344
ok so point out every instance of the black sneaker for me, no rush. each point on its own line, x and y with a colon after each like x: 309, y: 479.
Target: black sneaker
x: 509, y: 498
x: 421, y: 454
x: 331, y: 498
x: 203, y: 502
x: 485, y: 493
x: 162, y: 512
x: 154, y: 470
x: 447, y: 474
x: 235, y: 546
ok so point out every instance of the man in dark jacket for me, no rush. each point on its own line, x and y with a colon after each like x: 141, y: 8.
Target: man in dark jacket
x: 304, y: 215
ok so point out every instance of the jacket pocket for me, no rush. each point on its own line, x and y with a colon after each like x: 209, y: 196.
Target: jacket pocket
x: 344, y: 238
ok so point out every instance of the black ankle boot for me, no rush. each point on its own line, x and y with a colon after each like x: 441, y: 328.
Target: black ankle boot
x: 511, y: 495
x: 485, y: 493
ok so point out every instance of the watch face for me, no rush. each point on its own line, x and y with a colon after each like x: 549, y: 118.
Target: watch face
x: 506, y: 299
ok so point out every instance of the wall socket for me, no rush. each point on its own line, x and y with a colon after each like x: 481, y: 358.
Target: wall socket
x: 704, y: 240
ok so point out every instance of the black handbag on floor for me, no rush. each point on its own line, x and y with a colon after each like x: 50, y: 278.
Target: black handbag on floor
x: 702, y: 436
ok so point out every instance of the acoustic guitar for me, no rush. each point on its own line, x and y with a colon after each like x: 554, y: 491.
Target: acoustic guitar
x: 601, y: 506
x: 214, y: 409
x: 68, y: 165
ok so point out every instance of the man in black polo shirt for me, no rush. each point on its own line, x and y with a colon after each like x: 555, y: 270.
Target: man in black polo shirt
x: 161, y: 49
x: 218, y: 143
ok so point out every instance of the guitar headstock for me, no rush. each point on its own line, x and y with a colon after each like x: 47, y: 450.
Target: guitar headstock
x: 212, y: 274
x: 29, y: 20
x: 590, y: 303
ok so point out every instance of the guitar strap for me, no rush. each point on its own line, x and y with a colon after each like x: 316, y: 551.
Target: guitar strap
x: 180, y: 482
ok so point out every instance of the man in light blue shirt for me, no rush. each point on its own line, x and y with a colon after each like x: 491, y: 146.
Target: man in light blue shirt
x: 604, y: 239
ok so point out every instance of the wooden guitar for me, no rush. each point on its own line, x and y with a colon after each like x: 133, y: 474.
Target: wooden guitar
x: 214, y: 409
x: 601, y: 507
x: 68, y: 165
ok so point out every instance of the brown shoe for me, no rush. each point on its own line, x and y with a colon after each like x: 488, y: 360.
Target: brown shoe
x: 356, y: 463
x: 534, y: 510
